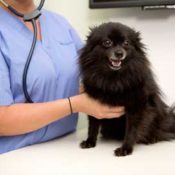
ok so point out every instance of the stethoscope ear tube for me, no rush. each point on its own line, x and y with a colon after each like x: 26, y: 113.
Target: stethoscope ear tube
x: 15, y: 12
x: 31, y: 17
x: 4, y: 3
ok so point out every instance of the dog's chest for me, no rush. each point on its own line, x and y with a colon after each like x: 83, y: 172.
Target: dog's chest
x: 114, y: 93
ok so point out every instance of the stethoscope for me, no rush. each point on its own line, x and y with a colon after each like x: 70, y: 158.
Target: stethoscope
x: 31, y: 17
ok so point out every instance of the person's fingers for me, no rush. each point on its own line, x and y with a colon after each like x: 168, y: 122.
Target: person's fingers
x: 114, y: 115
x: 117, y: 109
x: 111, y: 115
x: 81, y: 89
x: 120, y: 114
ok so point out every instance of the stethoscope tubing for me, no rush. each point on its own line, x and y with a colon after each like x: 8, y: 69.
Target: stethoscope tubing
x: 26, y: 68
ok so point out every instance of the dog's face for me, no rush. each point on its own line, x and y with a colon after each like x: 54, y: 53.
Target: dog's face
x: 116, y: 51
x: 112, y: 46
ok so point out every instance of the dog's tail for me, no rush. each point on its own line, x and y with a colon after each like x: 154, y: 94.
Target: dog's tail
x: 167, y: 126
x: 168, y: 120
x: 171, y: 118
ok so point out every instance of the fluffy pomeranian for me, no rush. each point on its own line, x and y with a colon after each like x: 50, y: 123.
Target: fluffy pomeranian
x: 116, y: 72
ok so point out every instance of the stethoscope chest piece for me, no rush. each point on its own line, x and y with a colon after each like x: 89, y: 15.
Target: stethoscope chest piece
x: 34, y: 15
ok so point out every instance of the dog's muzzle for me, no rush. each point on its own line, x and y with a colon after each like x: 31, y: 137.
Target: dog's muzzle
x: 116, y: 58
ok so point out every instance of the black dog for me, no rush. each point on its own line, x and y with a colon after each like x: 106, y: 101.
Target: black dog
x: 115, y: 71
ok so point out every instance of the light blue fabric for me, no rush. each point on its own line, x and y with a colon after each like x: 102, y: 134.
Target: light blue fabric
x: 53, y: 72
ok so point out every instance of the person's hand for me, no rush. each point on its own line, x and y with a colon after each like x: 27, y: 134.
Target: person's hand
x: 81, y: 88
x: 84, y: 103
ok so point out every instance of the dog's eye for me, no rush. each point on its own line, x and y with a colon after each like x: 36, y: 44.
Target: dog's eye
x: 107, y: 43
x: 126, y: 43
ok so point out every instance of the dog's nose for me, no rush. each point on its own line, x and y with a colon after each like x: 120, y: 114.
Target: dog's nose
x: 119, y: 54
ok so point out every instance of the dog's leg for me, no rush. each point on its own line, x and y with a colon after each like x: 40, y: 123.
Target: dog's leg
x: 92, y: 133
x: 130, y: 136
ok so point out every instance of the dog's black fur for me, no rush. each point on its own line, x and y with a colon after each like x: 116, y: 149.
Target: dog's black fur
x: 115, y: 71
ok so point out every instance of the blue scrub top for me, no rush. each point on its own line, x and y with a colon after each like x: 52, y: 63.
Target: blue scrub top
x: 53, y: 73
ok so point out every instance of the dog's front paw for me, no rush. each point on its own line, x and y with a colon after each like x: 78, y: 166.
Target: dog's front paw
x: 87, y: 144
x: 123, y: 151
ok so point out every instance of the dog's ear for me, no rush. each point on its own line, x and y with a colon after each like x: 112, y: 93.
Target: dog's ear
x: 137, y: 40
x: 91, y: 39
x: 91, y: 32
x: 87, y: 49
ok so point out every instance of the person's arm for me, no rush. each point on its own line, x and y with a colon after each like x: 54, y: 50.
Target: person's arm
x: 23, y: 118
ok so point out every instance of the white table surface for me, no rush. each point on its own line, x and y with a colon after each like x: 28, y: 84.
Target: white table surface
x: 64, y: 157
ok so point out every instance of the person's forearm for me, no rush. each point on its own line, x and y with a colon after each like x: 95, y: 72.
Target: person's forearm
x: 23, y: 118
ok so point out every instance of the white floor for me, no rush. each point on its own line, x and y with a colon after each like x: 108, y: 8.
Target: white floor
x: 64, y: 157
